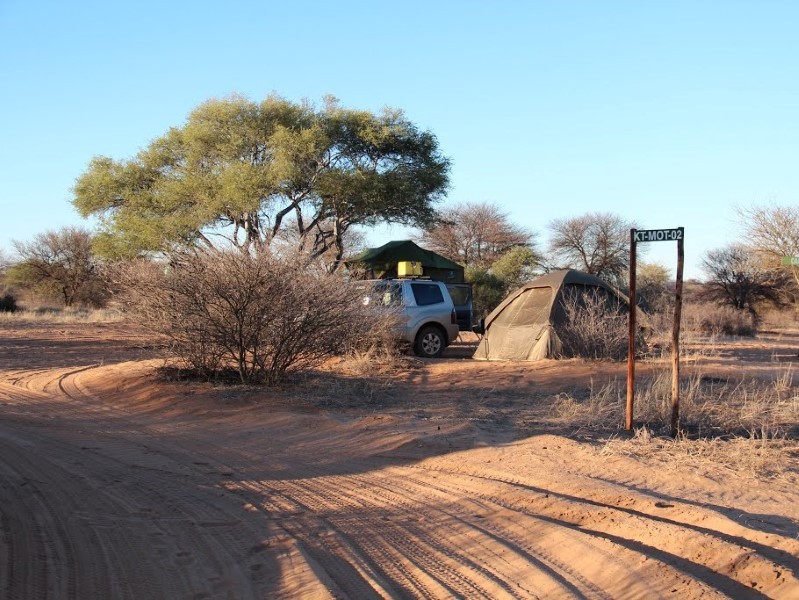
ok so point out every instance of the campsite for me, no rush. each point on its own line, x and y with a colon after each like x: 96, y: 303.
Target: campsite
x: 437, y: 479
x: 435, y: 300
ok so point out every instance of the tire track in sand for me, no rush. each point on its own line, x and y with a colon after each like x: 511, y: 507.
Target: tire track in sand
x: 94, y: 505
x: 216, y: 522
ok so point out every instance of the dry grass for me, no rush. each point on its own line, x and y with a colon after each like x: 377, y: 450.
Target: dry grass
x: 63, y: 315
x: 709, y: 406
x: 746, y: 425
x: 755, y: 456
x: 360, y: 378
x: 376, y: 361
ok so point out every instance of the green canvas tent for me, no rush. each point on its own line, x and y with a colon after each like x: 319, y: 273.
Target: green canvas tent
x: 381, y: 262
x: 526, y: 325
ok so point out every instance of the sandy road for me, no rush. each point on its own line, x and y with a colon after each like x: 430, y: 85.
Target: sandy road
x: 94, y: 507
x: 115, y: 488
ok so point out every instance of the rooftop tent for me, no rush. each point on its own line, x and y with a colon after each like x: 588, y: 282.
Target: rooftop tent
x: 526, y: 325
x: 381, y: 262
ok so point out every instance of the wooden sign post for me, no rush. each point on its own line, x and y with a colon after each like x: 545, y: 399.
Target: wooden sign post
x: 656, y: 235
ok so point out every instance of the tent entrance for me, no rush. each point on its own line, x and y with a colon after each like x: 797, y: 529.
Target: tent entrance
x: 518, y: 330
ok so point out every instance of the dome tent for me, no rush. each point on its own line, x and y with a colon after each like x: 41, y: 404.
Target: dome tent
x: 530, y: 323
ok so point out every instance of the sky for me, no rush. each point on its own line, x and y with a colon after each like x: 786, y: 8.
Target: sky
x: 665, y: 113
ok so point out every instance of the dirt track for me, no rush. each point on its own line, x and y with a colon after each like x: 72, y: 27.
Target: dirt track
x: 115, y: 485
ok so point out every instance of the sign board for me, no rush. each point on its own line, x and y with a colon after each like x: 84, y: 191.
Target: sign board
x: 676, y: 234
x: 790, y: 261
x: 659, y: 235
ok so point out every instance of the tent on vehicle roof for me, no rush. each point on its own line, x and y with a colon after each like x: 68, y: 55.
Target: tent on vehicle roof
x: 530, y: 323
x: 381, y: 262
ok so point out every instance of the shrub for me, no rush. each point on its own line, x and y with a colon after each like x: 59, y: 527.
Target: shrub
x: 709, y: 318
x: 596, y: 326
x: 785, y: 318
x: 8, y: 303
x: 264, y: 317
x: 487, y: 291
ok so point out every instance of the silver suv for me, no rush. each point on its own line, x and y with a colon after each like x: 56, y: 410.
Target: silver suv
x: 426, y: 313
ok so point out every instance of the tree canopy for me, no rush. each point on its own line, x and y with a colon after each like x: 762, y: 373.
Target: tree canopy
x: 475, y: 234
x: 772, y: 233
x: 238, y: 172
x: 597, y: 243
x: 737, y: 277
x: 60, y: 264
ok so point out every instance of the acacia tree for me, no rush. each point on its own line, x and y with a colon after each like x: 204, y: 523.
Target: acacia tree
x: 60, y: 263
x: 288, y: 240
x: 238, y: 172
x: 597, y: 243
x: 652, y: 284
x: 773, y: 233
x: 772, y: 230
x: 490, y: 285
x: 737, y: 277
x: 475, y: 234
x: 515, y: 268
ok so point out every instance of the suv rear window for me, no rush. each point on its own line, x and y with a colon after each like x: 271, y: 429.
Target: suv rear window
x: 461, y: 294
x: 426, y: 293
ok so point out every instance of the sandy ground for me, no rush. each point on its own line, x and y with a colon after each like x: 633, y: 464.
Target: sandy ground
x: 439, y: 482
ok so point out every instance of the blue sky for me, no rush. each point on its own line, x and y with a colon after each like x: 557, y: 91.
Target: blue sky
x: 667, y: 113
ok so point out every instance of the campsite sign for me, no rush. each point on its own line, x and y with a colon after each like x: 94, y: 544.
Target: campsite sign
x: 659, y: 235
x: 676, y: 234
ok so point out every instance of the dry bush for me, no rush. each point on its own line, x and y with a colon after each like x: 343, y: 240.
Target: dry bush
x: 8, y: 304
x: 659, y: 324
x: 779, y: 319
x: 596, y: 326
x: 60, y: 266
x: 263, y: 317
x: 383, y: 357
x: 708, y: 318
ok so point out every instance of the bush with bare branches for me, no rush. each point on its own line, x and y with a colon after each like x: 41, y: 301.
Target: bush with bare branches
x: 710, y: 318
x: 263, y: 317
x: 60, y: 265
x: 595, y: 327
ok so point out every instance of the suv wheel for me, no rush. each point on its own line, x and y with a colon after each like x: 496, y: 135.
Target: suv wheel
x: 429, y: 342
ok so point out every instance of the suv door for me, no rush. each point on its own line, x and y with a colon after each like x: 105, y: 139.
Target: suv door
x: 433, y: 318
x: 461, y: 294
